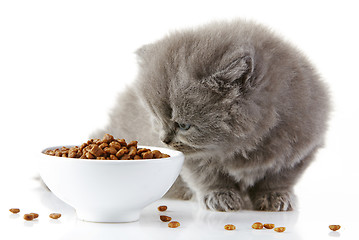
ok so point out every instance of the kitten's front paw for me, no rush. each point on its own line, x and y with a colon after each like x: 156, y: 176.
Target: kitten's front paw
x: 223, y: 200
x: 274, y: 201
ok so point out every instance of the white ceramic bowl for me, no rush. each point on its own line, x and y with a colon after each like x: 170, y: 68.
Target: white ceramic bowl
x: 110, y: 190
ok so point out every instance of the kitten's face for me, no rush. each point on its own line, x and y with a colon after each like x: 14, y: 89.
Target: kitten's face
x: 192, y: 88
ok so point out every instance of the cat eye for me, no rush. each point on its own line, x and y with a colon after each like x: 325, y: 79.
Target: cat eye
x: 184, y: 126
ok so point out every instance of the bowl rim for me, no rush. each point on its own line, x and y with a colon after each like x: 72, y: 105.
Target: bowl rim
x: 173, y: 155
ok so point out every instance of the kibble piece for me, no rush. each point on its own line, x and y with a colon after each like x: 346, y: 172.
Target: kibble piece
x: 279, y: 229
x: 229, y: 227
x: 28, y: 217
x: 107, y: 138
x: 122, y: 142
x: 116, y: 145
x: 125, y: 157
x: 257, y: 225
x: 14, y: 210
x: 55, y: 215
x: 268, y: 225
x: 90, y: 156
x: 165, y: 218
x: 113, y: 157
x: 147, y: 155
x: 120, y: 153
x: 110, y: 150
x: 35, y: 215
x: 165, y: 155
x: 96, y: 151
x: 132, y: 143
x: 132, y: 151
x: 334, y: 227
x: 137, y: 157
x: 156, y: 154
x: 162, y: 208
x: 173, y: 224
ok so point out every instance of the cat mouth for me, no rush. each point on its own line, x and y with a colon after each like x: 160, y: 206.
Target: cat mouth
x: 182, y: 147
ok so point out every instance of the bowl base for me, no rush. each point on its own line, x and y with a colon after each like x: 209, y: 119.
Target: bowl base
x: 108, y: 216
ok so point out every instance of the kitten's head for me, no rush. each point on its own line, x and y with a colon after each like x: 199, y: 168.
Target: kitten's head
x: 199, y: 87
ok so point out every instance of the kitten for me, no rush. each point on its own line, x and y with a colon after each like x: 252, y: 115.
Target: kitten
x: 246, y: 108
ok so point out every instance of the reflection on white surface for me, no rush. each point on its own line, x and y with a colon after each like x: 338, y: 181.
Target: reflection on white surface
x: 309, y: 222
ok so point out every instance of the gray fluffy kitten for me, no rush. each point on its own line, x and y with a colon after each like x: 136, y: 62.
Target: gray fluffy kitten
x: 246, y: 108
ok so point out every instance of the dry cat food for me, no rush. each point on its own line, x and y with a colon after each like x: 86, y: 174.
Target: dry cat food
x: 107, y: 148
x: 165, y: 218
x: 279, y: 229
x: 229, y: 227
x: 35, y: 215
x: 162, y: 208
x: 268, y: 225
x: 257, y: 225
x: 14, y: 210
x: 28, y: 217
x: 173, y: 224
x: 55, y: 215
x: 334, y: 227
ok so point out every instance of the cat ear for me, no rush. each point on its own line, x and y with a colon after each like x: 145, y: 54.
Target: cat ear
x: 143, y: 52
x: 237, y: 73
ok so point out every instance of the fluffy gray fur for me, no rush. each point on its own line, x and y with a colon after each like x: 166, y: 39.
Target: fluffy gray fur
x: 255, y: 108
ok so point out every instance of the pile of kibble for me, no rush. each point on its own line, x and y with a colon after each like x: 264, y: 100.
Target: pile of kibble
x: 107, y: 148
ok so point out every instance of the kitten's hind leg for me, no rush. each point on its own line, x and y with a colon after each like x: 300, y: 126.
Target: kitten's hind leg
x: 179, y: 190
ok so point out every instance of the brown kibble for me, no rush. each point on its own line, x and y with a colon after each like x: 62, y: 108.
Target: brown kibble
x: 35, y: 215
x: 14, y: 210
x: 122, y: 142
x: 132, y: 151
x: 107, y: 148
x: 116, y: 145
x: 173, y: 224
x: 103, y: 145
x: 28, y: 217
x: 257, y: 225
x: 147, y: 155
x: 279, y: 229
x: 165, y: 218
x: 125, y: 157
x: 334, y: 227
x: 165, y: 155
x: 269, y: 225
x: 229, y: 227
x: 120, y: 153
x: 156, y: 154
x: 137, y: 157
x: 55, y: 215
x: 162, y: 208
x: 107, y: 138
x: 89, y: 156
x: 110, y: 150
x: 96, y: 151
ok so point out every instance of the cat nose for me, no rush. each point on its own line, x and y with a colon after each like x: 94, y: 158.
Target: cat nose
x: 166, y: 139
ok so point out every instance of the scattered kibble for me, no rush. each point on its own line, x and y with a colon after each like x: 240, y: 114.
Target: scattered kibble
x: 14, y: 210
x: 268, y: 225
x: 279, y: 229
x: 55, y: 215
x: 162, y: 208
x: 229, y: 227
x: 165, y: 218
x: 28, y: 217
x: 173, y: 224
x: 334, y: 227
x: 35, y: 215
x: 257, y: 225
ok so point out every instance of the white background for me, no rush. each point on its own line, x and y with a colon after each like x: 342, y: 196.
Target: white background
x: 62, y: 64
